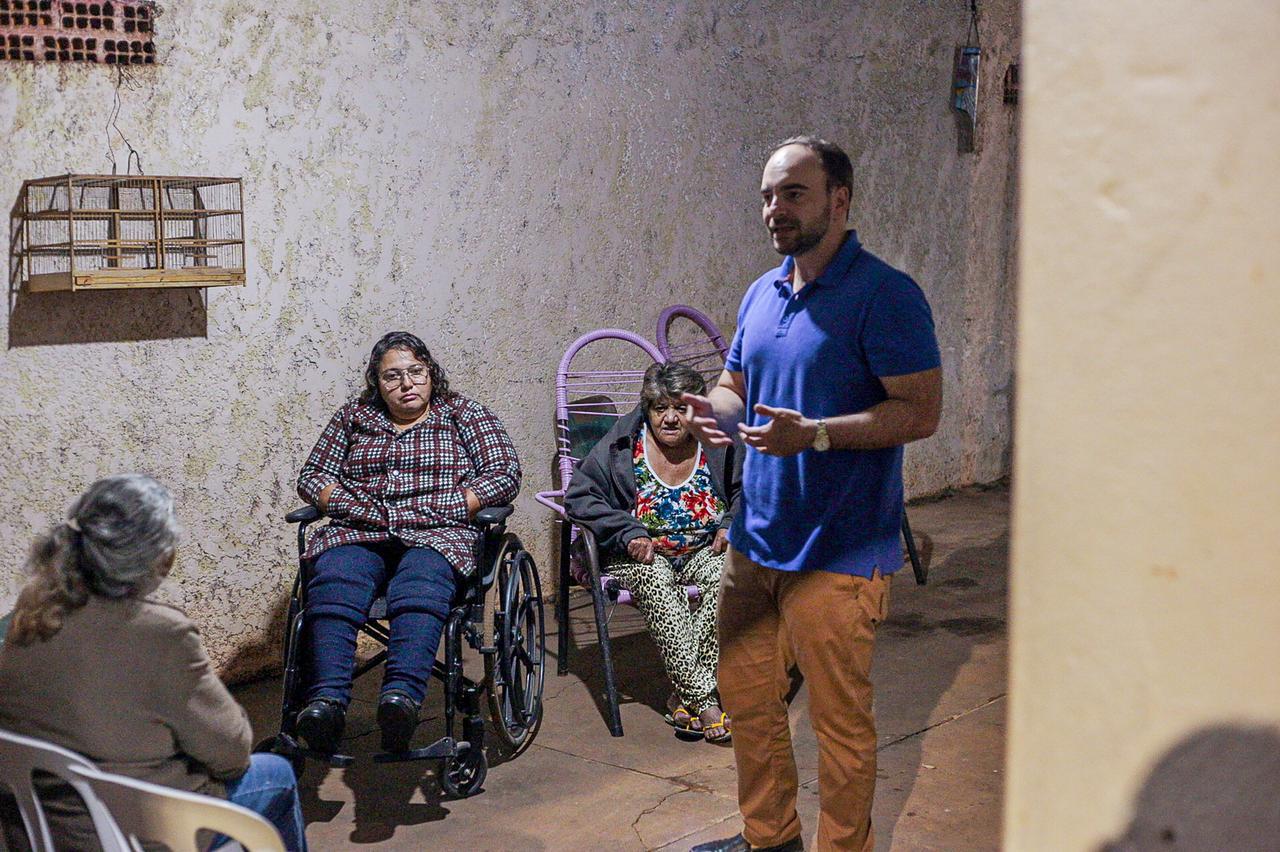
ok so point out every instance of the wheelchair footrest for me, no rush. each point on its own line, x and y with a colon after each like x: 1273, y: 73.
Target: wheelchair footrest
x: 287, y: 746
x: 443, y: 747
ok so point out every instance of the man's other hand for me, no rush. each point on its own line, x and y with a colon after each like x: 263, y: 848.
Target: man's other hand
x: 785, y: 433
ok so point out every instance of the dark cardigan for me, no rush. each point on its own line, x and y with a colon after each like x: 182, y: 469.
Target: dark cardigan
x: 602, y: 493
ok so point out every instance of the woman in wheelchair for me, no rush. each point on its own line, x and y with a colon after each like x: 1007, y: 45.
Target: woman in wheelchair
x: 660, y: 506
x: 96, y: 664
x: 400, y: 471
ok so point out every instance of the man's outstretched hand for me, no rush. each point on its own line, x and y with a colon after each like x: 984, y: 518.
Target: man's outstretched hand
x: 785, y: 433
x: 703, y: 423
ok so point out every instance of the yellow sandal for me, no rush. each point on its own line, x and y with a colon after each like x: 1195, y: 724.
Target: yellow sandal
x: 718, y: 732
x: 680, y: 718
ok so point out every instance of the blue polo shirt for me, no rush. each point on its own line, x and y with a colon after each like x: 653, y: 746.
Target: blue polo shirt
x: 821, y: 352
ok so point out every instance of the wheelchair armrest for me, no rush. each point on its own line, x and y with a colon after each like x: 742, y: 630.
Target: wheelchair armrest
x: 492, y: 515
x: 306, y: 514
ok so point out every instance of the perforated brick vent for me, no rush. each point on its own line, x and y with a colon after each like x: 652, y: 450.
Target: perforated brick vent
x: 115, y: 33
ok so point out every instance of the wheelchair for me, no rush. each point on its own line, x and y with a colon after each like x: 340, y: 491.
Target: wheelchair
x: 514, y: 659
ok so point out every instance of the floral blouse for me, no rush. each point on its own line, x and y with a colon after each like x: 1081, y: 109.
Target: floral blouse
x: 681, y: 518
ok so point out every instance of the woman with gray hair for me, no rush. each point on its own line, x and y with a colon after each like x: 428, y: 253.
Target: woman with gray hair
x: 660, y: 506
x: 92, y: 663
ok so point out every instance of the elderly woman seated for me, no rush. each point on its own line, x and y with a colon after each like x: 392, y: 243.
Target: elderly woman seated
x: 400, y: 471
x: 660, y: 506
x: 94, y: 664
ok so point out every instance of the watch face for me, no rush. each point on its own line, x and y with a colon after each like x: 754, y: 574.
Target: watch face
x: 822, y: 441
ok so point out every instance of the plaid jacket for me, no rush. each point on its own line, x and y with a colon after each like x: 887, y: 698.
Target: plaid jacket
x: 408, y: 485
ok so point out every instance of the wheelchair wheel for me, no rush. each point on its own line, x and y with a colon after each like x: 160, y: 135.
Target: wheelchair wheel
x: 516, y: 671
x: 462, y: 775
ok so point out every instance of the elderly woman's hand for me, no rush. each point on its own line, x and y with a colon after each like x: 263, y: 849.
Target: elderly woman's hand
x: 641, y: 550
x: 721, y: 542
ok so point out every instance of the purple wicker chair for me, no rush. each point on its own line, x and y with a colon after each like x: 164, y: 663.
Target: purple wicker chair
x: 689, y: 336
x: 587, y: 404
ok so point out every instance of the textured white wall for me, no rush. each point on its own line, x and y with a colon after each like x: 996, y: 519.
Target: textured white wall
x: 498, y: 178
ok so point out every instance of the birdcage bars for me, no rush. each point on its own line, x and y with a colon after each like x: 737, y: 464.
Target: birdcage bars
x: 101, y: 232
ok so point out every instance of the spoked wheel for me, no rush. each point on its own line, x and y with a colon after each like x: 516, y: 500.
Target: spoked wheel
x: 462, y: 775
x: 516, y: 671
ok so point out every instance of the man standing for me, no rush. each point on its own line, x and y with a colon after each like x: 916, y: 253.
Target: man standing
x: 834, y: 366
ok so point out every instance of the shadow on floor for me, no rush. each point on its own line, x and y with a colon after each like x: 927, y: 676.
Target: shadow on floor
x: 382, y: 795
x: 962, y: 607
x: 638, y: 671
x: 938, y: 658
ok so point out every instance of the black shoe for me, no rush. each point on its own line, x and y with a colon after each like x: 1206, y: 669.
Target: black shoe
x: 738, y: 843
x: 397, y: 717
x: 320, y: 724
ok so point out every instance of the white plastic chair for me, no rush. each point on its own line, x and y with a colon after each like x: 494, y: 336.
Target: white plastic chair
x: 20, y: 757
x: 151, y: 812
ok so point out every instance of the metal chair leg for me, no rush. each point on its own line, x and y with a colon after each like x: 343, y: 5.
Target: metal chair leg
x: 918, y: 568
x: 602, y: 630
x: 562, y: 603
x: 453, y: 672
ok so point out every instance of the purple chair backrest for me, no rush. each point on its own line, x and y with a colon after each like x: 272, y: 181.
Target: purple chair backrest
x: 688, y: 336
x: 587, y: 404
x: 589, y: 400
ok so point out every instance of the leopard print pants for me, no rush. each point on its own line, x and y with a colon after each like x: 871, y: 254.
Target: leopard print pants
x: 685, y: 638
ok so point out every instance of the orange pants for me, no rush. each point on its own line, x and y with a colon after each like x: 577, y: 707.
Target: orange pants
x: 826, y: 623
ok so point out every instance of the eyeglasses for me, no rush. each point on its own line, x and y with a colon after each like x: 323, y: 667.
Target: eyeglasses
x: 417, y: 374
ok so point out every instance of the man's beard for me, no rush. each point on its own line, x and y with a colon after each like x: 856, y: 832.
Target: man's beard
x: 803, y: 238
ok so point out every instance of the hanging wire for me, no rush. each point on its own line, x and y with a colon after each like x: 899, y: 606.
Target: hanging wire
x: 123, y: 79
x: 973, y: 37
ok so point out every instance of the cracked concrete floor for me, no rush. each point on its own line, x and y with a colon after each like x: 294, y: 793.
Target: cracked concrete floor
x: 940, y: 705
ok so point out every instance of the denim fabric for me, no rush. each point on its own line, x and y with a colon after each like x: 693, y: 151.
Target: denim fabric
x: 269, y: 788
x: 420, y: 585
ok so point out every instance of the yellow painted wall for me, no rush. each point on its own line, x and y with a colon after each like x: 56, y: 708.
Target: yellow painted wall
x: 1145, y: 669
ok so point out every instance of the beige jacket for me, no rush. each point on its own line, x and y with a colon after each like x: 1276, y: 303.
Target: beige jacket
x: 127, y: 683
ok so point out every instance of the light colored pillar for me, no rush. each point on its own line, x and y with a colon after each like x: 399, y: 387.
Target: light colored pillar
x: 1145, y: 606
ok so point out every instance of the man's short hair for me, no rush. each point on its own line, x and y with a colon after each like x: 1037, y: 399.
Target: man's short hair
x: 835, y: 162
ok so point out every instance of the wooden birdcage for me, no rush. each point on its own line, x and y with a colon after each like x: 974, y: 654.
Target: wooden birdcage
x: 107, y: 232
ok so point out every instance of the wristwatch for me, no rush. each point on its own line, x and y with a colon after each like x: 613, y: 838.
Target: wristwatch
x: 822, y: 441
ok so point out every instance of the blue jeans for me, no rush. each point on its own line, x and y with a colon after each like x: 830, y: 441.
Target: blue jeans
x: 420, y: 588
x: 269, y: 788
